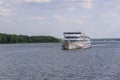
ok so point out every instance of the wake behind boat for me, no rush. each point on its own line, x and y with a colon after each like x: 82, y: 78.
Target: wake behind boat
x: 75, y: 40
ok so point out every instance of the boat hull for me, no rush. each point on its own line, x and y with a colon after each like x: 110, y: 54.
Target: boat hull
x: 75, y: 45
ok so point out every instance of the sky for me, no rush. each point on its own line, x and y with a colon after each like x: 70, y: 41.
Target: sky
x: 95, y: 18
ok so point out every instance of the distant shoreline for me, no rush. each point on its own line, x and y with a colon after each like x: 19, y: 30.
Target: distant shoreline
x: 13, y: 38
x: 106, y: 39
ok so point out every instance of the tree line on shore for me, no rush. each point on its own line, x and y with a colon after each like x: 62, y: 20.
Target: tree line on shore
x: 13, y: 38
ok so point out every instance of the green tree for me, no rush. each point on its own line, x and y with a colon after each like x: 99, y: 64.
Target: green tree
x: 12, y: 38
x: 0, y: 39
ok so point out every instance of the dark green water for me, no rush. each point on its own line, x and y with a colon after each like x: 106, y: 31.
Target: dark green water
x: 47, y: 61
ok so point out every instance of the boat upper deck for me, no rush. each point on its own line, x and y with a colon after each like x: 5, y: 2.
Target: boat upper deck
x: 75, y: 36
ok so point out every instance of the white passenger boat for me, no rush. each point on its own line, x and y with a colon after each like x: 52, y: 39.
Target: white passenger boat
x: 75, y: 40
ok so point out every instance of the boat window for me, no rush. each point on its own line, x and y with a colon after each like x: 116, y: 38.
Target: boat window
x: 72, y: 37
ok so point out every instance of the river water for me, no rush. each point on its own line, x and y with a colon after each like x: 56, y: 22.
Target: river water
x: 46, y: 61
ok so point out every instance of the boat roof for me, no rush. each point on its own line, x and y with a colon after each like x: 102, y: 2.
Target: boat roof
x: 72, y: 32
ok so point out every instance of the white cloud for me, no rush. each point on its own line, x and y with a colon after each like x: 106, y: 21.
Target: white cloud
x: 72, y: 8
x: 74, y: 4
x: 58, y: 17
x: 87, y: 4
x: 68, y: 20
x: 34, y: 18
x: 12, y: 1
x: 22, y: 1
x: 8, y: 20
x: 110, y: 14
x: 39, y: 1
x: 1, y: 2
x: 5, y: 12
x: 85, y: 17
x: 5, y: 9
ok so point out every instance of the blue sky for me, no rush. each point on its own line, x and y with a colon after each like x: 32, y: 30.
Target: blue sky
x: 96, y: 18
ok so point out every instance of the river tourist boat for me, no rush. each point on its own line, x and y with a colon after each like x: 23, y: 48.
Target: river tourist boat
x: 75, y: 40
